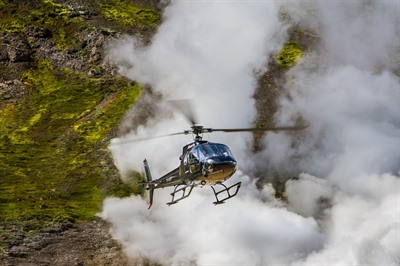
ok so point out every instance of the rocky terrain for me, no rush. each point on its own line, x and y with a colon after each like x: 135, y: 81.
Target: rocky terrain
x: 60, y: 104
x: 78, y: 244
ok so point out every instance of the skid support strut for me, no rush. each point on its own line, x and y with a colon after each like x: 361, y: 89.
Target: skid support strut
x: 183, y: 193
x: 228, y: 192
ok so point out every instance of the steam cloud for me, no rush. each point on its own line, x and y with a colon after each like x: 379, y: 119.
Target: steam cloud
x: 345, y: 206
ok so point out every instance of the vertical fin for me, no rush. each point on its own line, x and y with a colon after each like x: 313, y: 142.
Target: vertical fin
x: 149, y: 178
x: 147, y: 171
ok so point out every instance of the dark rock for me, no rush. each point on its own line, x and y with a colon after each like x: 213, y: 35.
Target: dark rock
x: 19, y: 251
x: 12, y: 90
x: 37, y: 242
x: 83, y: 9
x: 18, y: 50
x: 37, y: 32
x: 14, y: 49
x: 94, y: 41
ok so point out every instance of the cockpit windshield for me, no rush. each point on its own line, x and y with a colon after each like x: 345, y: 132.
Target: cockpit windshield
x: 209, y: 150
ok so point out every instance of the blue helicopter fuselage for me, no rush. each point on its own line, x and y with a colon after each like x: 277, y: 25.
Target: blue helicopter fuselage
x: 207, y: 162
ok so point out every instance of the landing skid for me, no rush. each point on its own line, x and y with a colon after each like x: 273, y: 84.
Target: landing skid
x: 184, y: 193
x: 227, y: 190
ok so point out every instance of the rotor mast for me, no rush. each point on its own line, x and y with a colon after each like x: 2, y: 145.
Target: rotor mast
x: 198, y: 130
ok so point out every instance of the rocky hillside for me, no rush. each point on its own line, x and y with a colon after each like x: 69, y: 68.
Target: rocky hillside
x: 60, y: 104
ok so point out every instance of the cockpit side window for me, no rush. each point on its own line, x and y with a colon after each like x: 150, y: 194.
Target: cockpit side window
x: 194, y: 155
x: 198, y: 153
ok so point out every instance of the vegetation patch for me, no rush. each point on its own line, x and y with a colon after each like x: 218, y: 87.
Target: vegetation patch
x: 126, y: 13
x: 55, y: 167
x: 54, y: 163
x: 289, y: 54
x: 45, y: 14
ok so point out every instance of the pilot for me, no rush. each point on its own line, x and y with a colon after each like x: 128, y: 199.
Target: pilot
x: 193, y: 163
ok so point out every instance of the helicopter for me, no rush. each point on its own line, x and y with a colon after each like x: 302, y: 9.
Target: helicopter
x: 202, y: 163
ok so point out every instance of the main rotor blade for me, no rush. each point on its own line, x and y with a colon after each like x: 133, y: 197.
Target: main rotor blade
x: 259, y: 129
x: 122, y: 142
x: 185, y: 106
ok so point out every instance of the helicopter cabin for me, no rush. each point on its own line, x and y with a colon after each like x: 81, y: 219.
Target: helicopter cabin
x: 207, y: 158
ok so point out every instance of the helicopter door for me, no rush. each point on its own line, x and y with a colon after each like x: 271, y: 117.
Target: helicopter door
x: 193, y: 162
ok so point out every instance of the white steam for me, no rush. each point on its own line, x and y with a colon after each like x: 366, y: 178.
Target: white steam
x: 246, y: 233
x: 346, y: 210
x: 207, y: 52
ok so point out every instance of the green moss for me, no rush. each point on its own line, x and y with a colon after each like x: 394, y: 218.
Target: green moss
x: 61, y: 39
x: 45, y: 14
x: 125, y: 13
x: 121, y: 189
x: 101, y: 121
x: 58, y: 8
x: 53, y: 163
x: 289, y: 54
x: 13, y: 26
x: 50, y: 13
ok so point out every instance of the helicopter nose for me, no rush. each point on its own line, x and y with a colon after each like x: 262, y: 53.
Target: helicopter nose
x: 232, y: 166
x: 225, y: 165
x: 210, y: 163
x: 219, y: 171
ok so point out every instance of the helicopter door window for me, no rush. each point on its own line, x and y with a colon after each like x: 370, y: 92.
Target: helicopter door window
x: 193, y: 161
x: 193, y: 157
x: 185, y: 160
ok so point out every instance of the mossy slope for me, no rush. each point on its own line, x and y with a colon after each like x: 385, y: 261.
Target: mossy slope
x: 52, y: 144
x: 55, y: 167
